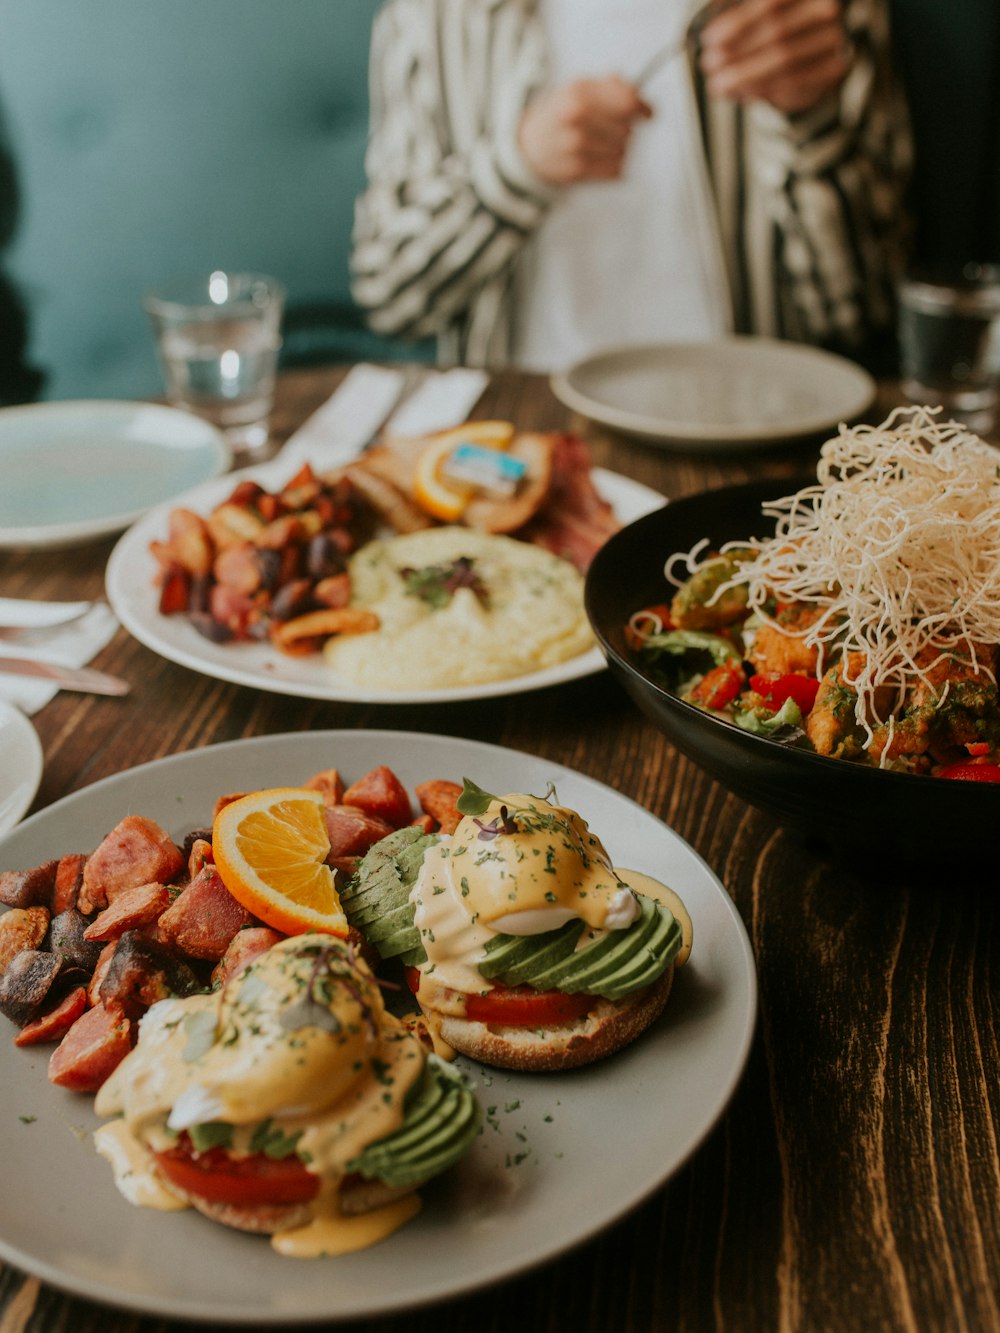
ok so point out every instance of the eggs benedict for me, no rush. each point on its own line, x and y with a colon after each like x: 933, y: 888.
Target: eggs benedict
x: 524, y: 946
x: 290, y: 1103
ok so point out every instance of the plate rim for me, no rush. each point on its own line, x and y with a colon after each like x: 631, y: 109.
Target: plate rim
x: 44, y: 535
x: 738, y: 1019
x: 131, y: 547
x: 21, y: 724
x: 673, y: 433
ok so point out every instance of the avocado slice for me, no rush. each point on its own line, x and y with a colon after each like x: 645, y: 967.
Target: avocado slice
x: 518, y: 958
x: 442, y: 1119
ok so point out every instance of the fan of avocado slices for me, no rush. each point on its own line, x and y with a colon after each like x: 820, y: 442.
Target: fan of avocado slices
x: 613, y: 965
x: 441, y: 1119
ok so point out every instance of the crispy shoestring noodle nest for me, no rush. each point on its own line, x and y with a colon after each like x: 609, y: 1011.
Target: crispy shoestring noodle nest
x: 898, y: 543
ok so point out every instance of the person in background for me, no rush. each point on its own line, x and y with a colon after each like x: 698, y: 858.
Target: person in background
x: 528, y: 203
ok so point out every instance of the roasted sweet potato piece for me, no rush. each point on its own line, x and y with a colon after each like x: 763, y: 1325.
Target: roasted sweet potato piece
x: 132, y: 909
x: 100, y: 972
x: 439, y: 799
x: 142, y: 971
x: 67, y: 939
x: 54, y: 1023
x: 92, y: 1049
x: 243, y: 948
x: 204, y: 917
x: 381, y: 795
x: 189, y: 541
x: 230, y: 523
x: 68, y: 882
x: 286, y: 530
x: 330, y: 783
x: 175, y: 591
x: 21, y: 928
x: 28, y: 888
x: 351, y: 831
x: 27, y: 983
x: 136, y: 851
x: 199, y: 854
x: 333, y: 591
x: 315, y: 626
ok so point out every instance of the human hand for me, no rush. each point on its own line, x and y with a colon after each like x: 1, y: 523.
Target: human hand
x: 791, y: 53
x: 581, y: 130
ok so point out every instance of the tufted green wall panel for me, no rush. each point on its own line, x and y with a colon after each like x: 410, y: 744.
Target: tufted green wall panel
x: 152, y: 137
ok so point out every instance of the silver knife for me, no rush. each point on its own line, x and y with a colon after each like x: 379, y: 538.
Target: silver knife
x: 83, y: 679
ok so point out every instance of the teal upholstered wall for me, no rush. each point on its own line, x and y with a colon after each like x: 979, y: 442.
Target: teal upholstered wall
x: 151, y: 137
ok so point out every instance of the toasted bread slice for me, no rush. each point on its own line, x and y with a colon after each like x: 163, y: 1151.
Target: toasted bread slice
x: 610, y: 1025
x: 490, y: 514
x: 386, y: 473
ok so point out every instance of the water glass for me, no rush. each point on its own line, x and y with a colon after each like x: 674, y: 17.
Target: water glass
x: 949, y: 339
x: 217, y: 338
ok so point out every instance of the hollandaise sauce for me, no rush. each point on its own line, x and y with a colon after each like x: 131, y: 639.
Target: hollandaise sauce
x: 298, y: 1056
x: 526, y: 867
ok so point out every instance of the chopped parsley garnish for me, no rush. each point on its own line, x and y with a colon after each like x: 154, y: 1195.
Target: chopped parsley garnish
x: 437, y: 584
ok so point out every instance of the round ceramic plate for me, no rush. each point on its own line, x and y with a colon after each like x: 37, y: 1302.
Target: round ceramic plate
x: 76, y: 471
x: 717, y: 395
x: 21, y: 764
x: 538, y: 1180
x: 130, y: 581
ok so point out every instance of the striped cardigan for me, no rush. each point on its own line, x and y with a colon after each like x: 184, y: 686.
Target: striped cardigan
x: 810, y: 207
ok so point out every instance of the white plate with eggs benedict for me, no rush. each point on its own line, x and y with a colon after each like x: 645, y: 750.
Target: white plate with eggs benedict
x: 534, y: 1183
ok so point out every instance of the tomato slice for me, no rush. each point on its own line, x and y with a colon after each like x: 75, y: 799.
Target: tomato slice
x: 218, y: 1177
x: 720, y: 686
x: 970, y: 771
x: 518, y: 1006
x: 776, y: 690
x: 522, y: 1006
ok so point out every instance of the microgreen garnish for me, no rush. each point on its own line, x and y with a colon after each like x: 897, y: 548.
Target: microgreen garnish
x: 313, y: 1009
x: 503, y: 823
x: 473, y: 800
x: 436, y: 584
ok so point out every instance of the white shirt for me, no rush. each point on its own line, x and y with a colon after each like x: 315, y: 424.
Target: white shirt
x: 637, y: 260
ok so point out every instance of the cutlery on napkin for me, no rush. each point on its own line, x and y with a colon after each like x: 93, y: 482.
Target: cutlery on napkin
x: 373, y: 399
x: 84, y: 679
x: 67, y: 646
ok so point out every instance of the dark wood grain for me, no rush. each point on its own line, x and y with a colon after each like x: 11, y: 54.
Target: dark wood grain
x: 854, y: 1182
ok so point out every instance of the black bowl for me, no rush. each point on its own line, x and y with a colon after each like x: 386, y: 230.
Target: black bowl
x: 897, y: 817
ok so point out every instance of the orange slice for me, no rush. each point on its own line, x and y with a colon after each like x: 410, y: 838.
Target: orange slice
x: 439, y: 496
x: 270, y: 848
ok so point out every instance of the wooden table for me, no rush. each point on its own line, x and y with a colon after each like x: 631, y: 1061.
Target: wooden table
x: 854, y: 1183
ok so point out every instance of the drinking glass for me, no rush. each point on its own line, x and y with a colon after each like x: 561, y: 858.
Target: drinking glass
x: 949, y: 341
x: 217, y: 338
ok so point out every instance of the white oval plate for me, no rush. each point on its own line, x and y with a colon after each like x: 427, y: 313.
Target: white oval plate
x: 76, y: 471
x: 21, y: 765
x: 130, y: 582
x: 717, y: 395
x: 561, y: 1156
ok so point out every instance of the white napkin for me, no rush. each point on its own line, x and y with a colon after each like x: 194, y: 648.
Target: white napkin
x: 443, y: 399
x: 339, y: 430
x: 72, y: 645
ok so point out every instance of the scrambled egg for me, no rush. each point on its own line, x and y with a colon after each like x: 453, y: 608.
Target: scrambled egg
x: 459, y: 607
